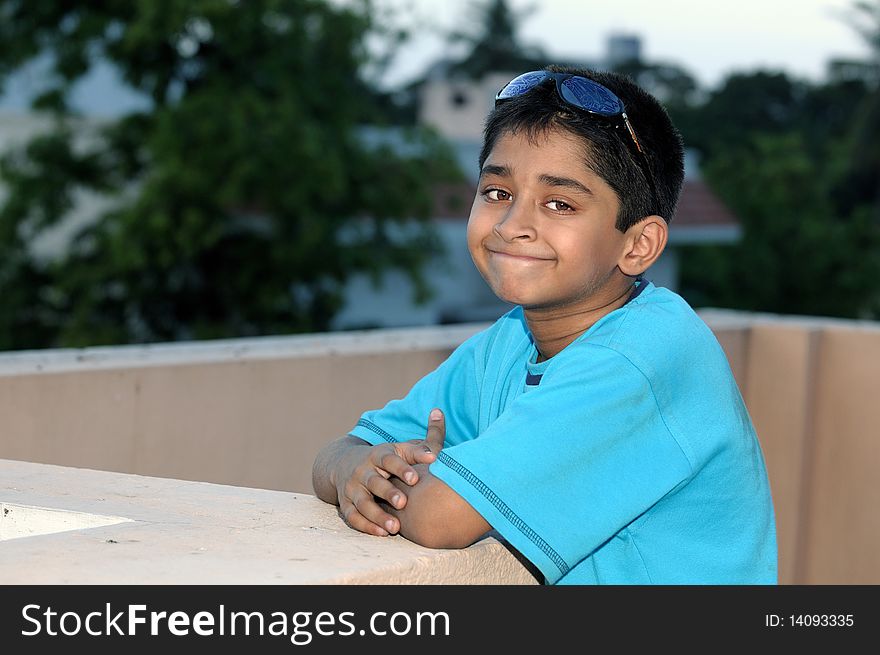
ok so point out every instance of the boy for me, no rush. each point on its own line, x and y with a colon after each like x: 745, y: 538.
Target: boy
x: 597, y: 426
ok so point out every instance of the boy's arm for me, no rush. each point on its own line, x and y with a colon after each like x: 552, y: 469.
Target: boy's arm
x: 354, y: 475
x: 373, y: 485
x: 437, y: 517
x: 434, y: 515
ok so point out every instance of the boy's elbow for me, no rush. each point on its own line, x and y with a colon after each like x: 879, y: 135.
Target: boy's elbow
x: 436, y: 536
x: 436, y: 517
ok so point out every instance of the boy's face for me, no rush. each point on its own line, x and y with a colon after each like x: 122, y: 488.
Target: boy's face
x: 541, y: 229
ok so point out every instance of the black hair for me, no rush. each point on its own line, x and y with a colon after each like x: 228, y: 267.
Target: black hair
x: 609, y: 151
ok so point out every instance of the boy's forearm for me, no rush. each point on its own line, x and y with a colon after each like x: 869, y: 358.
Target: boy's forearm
x: 436, y: 516
x: 334, y: 456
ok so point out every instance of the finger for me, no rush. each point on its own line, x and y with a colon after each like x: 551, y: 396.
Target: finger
x: 396, y: 462
x: 382, y: 488
x: 414, y: 451
x: 367, y: 507
x: 436, y: 434
x: 358, y: 498
x: 357, y: 521
x: 424, y: 451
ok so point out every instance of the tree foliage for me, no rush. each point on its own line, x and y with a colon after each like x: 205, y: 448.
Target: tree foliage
x: 493, y: 42
x: 797, y: 255
x: 243, y: 199
x: 799, y: 164
x: 860, y: 182
x: 672, y: 84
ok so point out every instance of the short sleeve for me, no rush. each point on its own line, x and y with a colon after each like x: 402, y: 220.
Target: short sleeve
x: 569, y: 464
x: 453, y: 387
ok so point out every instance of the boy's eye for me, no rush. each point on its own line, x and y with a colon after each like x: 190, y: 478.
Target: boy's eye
x: 560, y: 206
x: 496, y: 194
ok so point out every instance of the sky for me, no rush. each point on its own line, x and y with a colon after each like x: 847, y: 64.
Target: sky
x: 709, y: 38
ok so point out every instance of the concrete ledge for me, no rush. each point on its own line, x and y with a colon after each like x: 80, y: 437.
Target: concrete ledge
x: 718, y: 319
x: 360, y: 342
x: 181, y: 532
x: 18, y: 521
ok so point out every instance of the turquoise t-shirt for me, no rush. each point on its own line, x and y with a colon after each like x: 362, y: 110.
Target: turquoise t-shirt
x: 628, y: 458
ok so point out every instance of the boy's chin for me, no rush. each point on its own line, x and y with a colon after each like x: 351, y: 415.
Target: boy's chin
x: 503, y: 295
x: 516, y: 295
x: 522, y: 299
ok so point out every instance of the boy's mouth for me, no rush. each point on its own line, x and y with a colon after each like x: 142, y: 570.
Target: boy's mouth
x: 507, y: 254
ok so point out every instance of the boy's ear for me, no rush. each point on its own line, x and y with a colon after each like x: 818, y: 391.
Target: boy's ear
x: 645, y: 242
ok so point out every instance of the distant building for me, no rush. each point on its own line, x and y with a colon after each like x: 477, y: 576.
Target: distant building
x: 622, y: 48
x: 854, y: 70
x: 457, y: 105
x: 456, y: 108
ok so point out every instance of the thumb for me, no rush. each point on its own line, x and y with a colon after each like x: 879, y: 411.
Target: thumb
x: 436, y: 431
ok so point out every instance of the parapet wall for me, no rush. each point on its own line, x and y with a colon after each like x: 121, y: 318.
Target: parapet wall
x: 250, y: 412
x: 254, y: 412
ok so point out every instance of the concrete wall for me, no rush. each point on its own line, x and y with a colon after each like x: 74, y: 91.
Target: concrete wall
x: 241, y: 412
x: 254, y: 413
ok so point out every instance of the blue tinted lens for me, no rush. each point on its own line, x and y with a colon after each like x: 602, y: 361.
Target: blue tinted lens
x: 521, y: 84
x: 588, y: 95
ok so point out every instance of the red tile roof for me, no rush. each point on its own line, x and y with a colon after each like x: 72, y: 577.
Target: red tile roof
x: 698, y: 206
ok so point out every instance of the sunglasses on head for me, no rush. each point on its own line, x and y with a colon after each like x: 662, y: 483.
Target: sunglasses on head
x: 586, y: 95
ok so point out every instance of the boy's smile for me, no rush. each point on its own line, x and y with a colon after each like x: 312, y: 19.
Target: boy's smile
x: 542, y: 227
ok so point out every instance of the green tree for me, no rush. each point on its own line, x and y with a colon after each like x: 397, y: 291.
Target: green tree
x: 796, y: 256
x: 743, y: 105
x: 243, y: 199
x: 800, y: 165
x: 493, y: 42
x: 859, y: 183
x: 864, y: 18
x: 672, y: 84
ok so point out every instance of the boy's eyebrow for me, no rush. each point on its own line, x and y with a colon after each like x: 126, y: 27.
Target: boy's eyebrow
x: 545, y: 178
x: 555, y: 180
x: 495, y: 169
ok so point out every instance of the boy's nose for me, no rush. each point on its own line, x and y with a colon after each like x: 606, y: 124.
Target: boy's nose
x: 516, y: 224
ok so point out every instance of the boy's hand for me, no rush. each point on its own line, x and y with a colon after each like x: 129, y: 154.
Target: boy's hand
x: 359, y: 492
